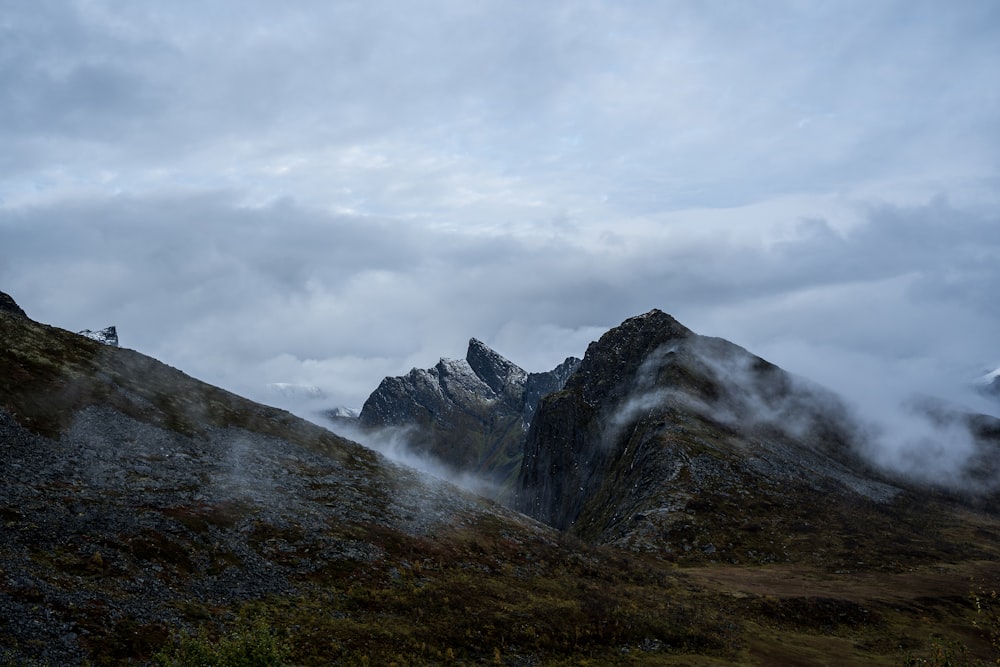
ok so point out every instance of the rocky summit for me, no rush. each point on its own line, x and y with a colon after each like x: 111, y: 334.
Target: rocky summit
x: 471, y: 414
x: 706, y: 508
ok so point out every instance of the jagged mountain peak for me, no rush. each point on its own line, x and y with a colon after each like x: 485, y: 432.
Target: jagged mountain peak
x: 8, y: 305
x: 471, y: 414
x: 500, y: 374
x: 457, y: 377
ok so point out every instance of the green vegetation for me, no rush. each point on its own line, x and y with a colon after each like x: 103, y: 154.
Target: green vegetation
x: 987, y: 603
x: 249, y: 644
x: 953, y: 653
x: 476, y: 597
x: 482, y: 596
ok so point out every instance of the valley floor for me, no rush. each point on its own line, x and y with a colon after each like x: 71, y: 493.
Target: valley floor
x: 794, y: 615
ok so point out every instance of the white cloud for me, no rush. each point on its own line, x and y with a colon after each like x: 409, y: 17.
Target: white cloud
x: 326, y: 193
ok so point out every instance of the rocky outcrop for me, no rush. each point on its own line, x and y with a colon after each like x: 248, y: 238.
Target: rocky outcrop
x: 504, y: 378
x: 107, y: 336
x: 658, y: 422
x: 8, y: 305
x: 470, y: 414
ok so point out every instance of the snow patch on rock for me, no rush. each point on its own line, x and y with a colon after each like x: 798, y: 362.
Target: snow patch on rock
x: 107, y: 336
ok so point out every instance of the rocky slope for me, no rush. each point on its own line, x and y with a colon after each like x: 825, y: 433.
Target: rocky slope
x: 133, y: 494
x: 667, y: 441
x: 471, y: 414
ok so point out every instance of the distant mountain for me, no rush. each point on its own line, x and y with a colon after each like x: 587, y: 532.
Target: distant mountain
x: 341, y: 419
x: 342, y: 412
x: 470, y: 414
x: 295, y: 391
x: 667, y: 441
x: 989, y: 383
x: 107, y: 335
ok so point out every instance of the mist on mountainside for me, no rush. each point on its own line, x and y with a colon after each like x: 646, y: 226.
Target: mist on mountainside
x: 394, y: 442
x: 916, y: 436
x: 651, y: 372
x: 922, y: 419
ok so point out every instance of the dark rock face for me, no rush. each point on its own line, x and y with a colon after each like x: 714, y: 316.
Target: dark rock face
x: 503, y: 377
x: 470, y: 414
x: 542, y: 384
x: 108, y: 335
x: 8, y: 305
x: 657, y: 419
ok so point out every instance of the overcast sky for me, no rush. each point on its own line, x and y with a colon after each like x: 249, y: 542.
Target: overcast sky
x: 324, y: 193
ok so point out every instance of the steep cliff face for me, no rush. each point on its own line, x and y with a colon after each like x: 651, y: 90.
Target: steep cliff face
x: 674, y: 442
x: 565, y: 453
x: 470, y: 414
x: 541, y: 384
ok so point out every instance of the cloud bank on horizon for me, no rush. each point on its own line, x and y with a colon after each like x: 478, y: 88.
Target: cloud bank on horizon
x: 328, y: 193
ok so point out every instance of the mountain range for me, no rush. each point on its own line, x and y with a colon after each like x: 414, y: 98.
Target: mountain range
x: 668, y: 499
x: 472, y: 414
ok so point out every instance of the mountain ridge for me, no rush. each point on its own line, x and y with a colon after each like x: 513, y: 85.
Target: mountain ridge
x: 470, y: 414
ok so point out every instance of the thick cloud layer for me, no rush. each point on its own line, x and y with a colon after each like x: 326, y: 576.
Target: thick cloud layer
x: 327, y: 193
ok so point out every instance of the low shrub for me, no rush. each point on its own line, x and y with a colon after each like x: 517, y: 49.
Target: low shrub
x: 250, y: 644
